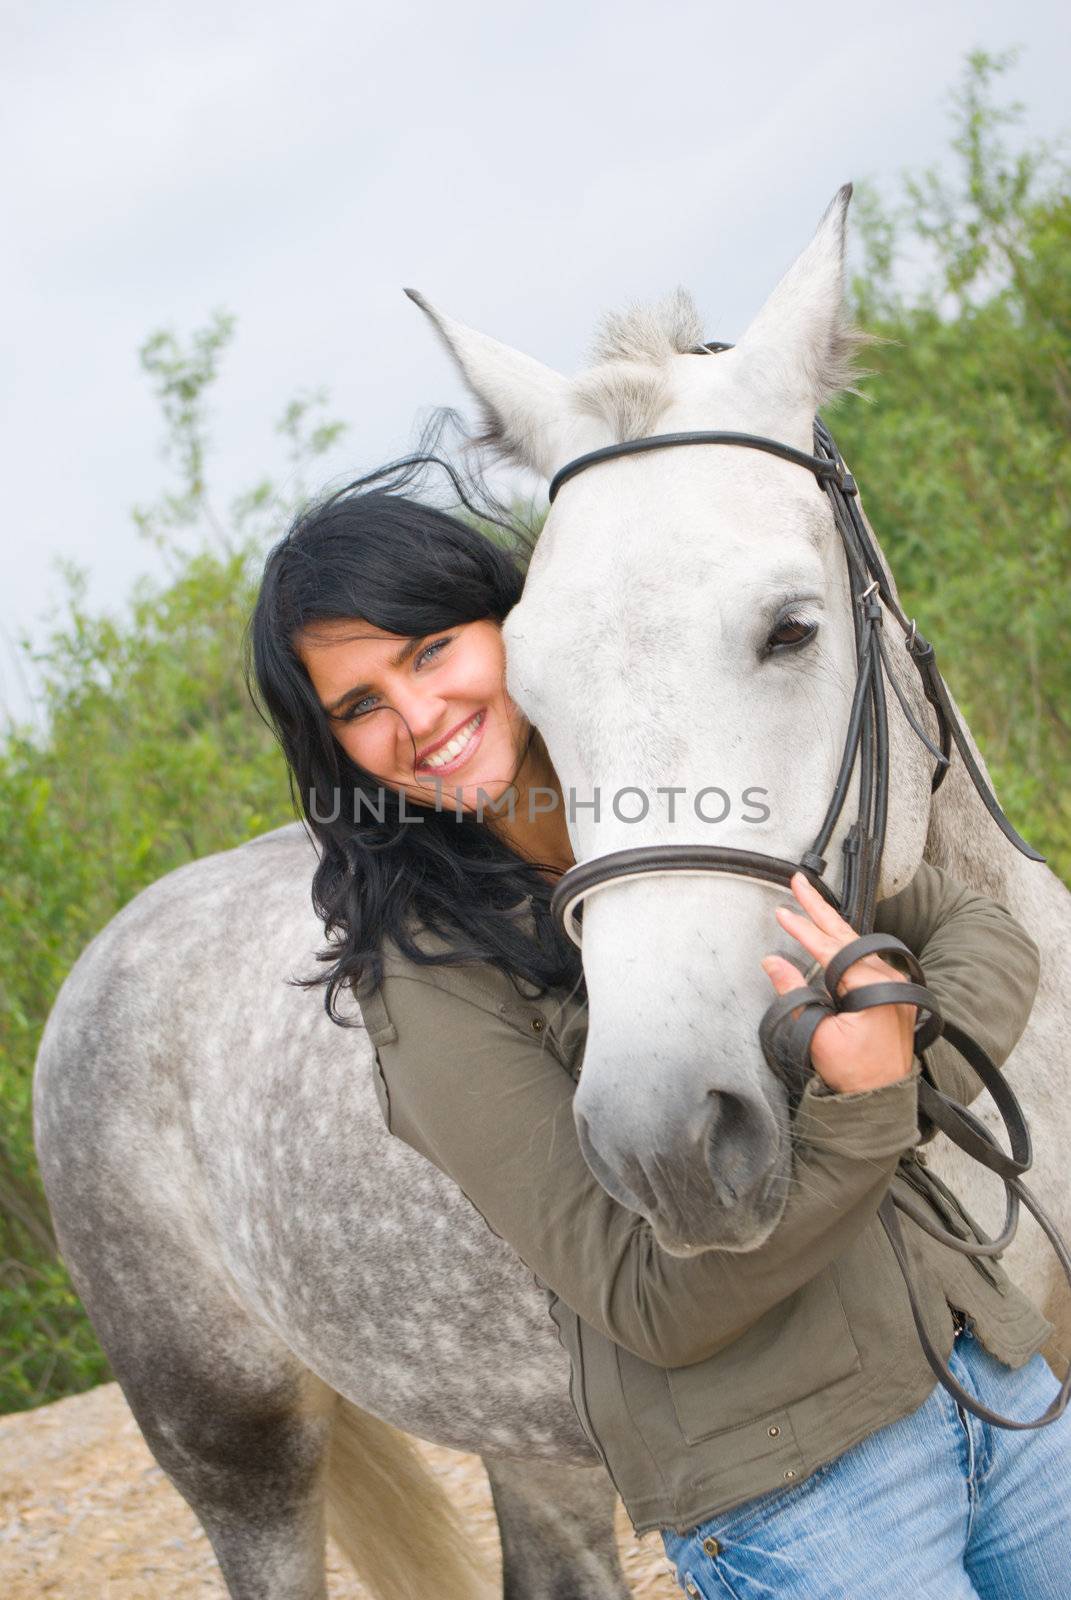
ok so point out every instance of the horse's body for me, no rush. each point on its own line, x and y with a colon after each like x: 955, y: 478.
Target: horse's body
x: 252, y: 1245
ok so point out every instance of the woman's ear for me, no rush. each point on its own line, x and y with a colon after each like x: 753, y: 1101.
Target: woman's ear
x: 527, y: 408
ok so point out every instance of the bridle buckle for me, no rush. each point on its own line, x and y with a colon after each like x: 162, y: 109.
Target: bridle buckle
x: 845, y: 482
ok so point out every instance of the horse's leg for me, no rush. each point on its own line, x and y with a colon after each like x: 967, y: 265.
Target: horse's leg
x: 240, y: 1426
x: 242, y: 1433
x: 557, y: 1530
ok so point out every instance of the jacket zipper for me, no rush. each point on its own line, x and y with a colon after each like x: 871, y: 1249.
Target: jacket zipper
x: 585, y: 1416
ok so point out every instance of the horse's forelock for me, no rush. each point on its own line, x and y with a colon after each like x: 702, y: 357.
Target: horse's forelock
x: 669, y: 327
x: 628, y: 396
x: 626, y: 383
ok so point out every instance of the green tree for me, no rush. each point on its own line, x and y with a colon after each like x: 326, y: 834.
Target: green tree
x: 963, y: 453
x: 151, y: 756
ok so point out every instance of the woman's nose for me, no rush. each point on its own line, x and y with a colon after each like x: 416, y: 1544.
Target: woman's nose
x: 425, y: 715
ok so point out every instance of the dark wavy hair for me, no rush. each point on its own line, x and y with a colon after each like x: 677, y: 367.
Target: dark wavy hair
x: 371, y: 552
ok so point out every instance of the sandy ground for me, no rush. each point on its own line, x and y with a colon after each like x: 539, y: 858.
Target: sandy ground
x: 86, y: 1514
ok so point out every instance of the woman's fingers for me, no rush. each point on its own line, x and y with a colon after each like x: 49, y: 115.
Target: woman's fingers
x: 784, y: 976
x: 818, y: 908
x: 851, y: 1051
x: 822, y: 931
x: 821, y: 945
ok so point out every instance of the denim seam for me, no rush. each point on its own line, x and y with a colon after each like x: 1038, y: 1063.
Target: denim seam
x: 972, y: 1461
x: 719, y: 1578
x: 964, y: 1432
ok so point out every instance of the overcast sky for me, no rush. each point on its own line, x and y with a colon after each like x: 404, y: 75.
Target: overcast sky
x: 527, y: 167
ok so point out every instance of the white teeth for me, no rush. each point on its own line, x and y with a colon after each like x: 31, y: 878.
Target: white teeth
x: 455, y: 747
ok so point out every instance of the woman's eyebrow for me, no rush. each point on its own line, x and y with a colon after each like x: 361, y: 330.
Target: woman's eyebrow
x: 397, y: 660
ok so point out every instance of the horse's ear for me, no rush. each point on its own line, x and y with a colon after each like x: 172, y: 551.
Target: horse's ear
x: 526, y: 407
x: 802, y: 341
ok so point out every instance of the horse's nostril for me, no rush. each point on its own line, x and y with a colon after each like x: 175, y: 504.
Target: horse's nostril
x: 630, y: 1186
x: 701, y: 1180
x: 740, y: 1145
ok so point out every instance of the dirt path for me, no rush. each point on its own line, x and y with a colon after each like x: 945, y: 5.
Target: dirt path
x: 86, y: 1514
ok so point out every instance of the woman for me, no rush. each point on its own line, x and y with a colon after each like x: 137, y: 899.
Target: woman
x: 770, y: 1413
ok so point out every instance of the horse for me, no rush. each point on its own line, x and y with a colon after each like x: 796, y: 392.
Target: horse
x: 284, y: 1291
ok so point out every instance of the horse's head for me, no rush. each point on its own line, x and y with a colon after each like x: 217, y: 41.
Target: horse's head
x: 685, y: 644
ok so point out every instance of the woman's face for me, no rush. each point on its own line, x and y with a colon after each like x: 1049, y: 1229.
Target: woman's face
x: 422, y: 715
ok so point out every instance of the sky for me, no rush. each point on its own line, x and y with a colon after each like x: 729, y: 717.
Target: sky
x: 527, y: 168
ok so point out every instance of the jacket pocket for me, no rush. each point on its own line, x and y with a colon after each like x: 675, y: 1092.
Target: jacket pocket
x: 798, y: 1348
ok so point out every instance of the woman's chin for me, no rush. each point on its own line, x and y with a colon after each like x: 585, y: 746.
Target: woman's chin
x: 461, y: 792
x: 485, y: 788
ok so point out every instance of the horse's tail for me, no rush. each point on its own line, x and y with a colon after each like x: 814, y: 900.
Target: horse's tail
x: 392, y: 1520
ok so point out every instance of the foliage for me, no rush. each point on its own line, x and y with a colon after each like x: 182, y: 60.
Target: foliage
x: 963, y: 453
x: 152, y: 755
x: 47, y: 1346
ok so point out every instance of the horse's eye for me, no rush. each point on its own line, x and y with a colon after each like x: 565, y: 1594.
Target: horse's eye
x: 789, y: 633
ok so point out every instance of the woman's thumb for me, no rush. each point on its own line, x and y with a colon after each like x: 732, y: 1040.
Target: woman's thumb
x: 783, y: 974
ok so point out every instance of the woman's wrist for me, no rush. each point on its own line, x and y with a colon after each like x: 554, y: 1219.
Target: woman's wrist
x: 868, y: 1124
x: 867, y: 1076
x: 819, y: 1085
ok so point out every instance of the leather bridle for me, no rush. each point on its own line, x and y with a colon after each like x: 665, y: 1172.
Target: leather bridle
x: 786, y: 1040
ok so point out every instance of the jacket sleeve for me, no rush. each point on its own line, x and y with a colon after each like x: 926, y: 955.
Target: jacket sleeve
x: 979, y: 961
x: 494, y: 1111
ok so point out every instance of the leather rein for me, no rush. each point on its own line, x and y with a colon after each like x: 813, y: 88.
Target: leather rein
x: 786, y: 1040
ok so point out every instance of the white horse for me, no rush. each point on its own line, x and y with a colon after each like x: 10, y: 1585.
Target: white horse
x: 278, y: 1283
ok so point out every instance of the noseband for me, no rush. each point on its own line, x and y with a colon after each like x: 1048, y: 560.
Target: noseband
x: 786, y: 1040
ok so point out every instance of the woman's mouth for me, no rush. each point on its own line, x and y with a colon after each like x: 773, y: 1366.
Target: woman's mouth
x: 454, y: 754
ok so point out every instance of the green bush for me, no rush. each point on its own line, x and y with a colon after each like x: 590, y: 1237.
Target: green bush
x: 963, y: 452
x: 152, y: 756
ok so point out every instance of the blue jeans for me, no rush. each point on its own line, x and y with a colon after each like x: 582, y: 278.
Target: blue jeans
x: 937, y: 1506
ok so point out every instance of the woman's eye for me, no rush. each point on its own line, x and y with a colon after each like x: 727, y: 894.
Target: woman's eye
x: 361, y: 708
x: 790, y: 631
x: 351, y: 712
x: 429, y: 649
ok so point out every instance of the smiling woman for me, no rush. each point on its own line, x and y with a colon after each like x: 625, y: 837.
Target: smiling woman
x: 377, y: 652
x: 448, y: 694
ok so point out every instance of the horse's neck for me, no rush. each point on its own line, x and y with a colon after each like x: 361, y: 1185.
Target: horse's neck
x: 962, y: 837
x: 966, y: 842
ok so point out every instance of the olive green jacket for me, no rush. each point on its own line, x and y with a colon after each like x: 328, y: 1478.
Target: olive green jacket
x: 705, y: 1381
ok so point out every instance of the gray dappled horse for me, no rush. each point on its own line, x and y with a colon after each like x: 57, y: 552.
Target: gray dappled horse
x: 278, y: 1283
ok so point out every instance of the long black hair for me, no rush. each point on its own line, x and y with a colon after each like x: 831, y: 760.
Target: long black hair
x: 371, y: 552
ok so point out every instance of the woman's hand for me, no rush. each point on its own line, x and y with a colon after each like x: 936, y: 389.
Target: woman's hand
x: 851, y: 1050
